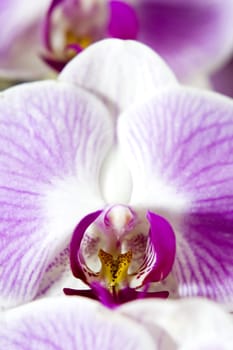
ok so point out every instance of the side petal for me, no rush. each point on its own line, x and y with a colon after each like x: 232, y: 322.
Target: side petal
x: 54, y: 138
x: 131, y: 72
x: 179, y: 149
x: 191, y: 36
x: 184, y: 324
x: 70, y: 323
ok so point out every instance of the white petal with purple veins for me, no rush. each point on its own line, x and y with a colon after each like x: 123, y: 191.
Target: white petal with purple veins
x: 53, y: 141
x: 70, y: 323
x: 191, y: 324
x: 179, y: 150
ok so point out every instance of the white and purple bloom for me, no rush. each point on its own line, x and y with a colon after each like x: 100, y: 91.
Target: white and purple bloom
x: 137, y: 166
x: 79, y: 323
x: 192, y: 36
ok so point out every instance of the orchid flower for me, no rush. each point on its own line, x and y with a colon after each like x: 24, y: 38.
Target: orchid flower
x: 192, y: 36
x: 127, y: 168
x: 79, y: 323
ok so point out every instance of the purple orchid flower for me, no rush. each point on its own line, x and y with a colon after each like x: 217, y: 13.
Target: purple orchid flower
x: 78, y: 323
x: 193, y: 37
x: 138, y: 167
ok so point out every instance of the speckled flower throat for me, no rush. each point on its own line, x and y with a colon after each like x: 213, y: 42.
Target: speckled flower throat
x: 118, y: 252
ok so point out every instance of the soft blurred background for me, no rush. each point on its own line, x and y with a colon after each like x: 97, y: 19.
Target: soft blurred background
x: 194, y: 37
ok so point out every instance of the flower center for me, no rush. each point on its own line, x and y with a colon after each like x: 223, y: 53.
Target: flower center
x: 72, y: 38
x: 114, y: 270
x: 70, y: 27
x: 119, y: 252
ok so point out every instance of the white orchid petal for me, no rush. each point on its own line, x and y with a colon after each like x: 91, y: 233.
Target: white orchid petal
x: 184, y: 324
x: 70, y: 323
x: 178, y: 147
x: 54, y: 138
x: 122, y: 73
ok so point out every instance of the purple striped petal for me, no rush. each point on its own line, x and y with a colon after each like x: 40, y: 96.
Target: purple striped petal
x: 184, y: 324
x: 70, y: 323
x: 191, y: 36
x: 53, y: 142
x: 131, y: 72
x: 179, y: 149
x: 57, y: 275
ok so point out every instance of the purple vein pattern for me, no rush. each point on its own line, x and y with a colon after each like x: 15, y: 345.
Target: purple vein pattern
x: 53, y: 141
x: 181, y: 145
x: 70, y: 323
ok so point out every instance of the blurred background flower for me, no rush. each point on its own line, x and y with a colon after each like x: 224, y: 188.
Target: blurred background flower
x: 194, y: 37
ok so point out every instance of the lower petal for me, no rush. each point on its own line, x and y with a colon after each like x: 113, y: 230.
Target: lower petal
x: 70, y: 323
x: 173, y: 324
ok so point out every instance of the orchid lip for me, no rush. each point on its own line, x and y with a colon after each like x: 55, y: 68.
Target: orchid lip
x: 98, y: 292
x: 113, y: 239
